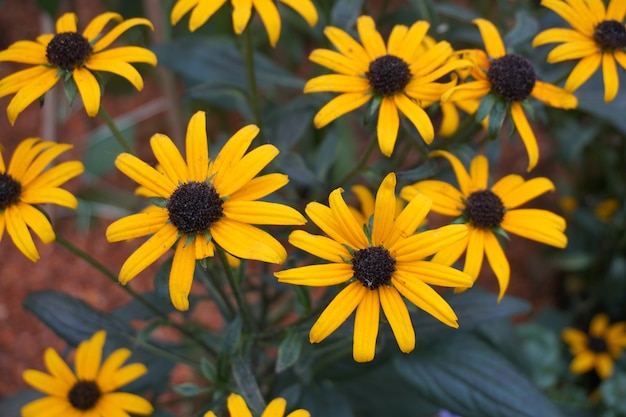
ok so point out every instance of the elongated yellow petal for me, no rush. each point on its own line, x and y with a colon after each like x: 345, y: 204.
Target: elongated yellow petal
x: 540, y: 231
x: 579, y: 22
x: 242, y: 10
x: 425, y: 93
x: 479, y: 173
x: 582, y: 363
x: 57, y: 175
x: 554, y: 96
x: 418, y: 117
x: 553, y: 35
x: 320, y: 246
x: 462, y: 176
x: 182, y: 7
x: 25, y: 52
x: 206, y: 249
x: 143, y: 223
x: 370, y: 38
x: 583, y: 71
x: 450, y: 119
x: 67, y: 23
x: 594, y: 8
x: 421, y: 245
x: 425, y: 298
x: 128, y: 402
x: 346, y: 221
x: 410, y: 48
x: 317, y: 275
x: 604, y: 365
x: 148, y: 252
x: 276, y: 408
x: 523, y: 216
x: 506, y: 184
x: 24, y: 154
x: 445, y: 198
x: 575, y: 338
x: 32, y: 168
x: 385, y: 210
x: 304, y: 8
x: 96, y: 26
x: 30, y: 92
x: 366, y: 327
x: 120, y: 68
x: 17, y: 229
x: 47, y: 407
x: 247, y: 242
x: 58, y: 368
x: 203, y: 11
x: 115, y: 33
x: 37, y: 222
x: 526, y: 133
x: 337, y: 83
x: 387, y: 126
x: 525, y: 192
x: 324, y: 218
x: 599, y: 324
x: 609, y: 73
x: 181, y: 274
x: 16, y: 81
x: 409, y: 219
x: 237, y: 406
x: 398, y: 317
x: 346, y: 44
x: 232, y: 152
x: 339, y: 106
x: 448, y: 256
x: 259, y: 187
x: 472, y: 90
x: 45, y: 383
x: 616, y: 10
x: 572, y: 50
x: 89, y: 90
x: 110, y: 366
x: 396, y: 40
x: 246, y: 169
x: 262, y: 212
x: 338, y: 62
x: 89, y: 357
x: 269, y: 16
x: 170, y: 160
x: 366, y: 200
x: 491, y: 38
x: 339, y: 309
x: 145, y: 175
x: 432, y: 59
x: 436, y: 274
x: 197, y: 148
x: 475, y: 251
x: 498, y: 262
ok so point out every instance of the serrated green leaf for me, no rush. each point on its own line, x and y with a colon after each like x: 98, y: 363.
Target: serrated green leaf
x: 467, y: 377
x: 289, y: 351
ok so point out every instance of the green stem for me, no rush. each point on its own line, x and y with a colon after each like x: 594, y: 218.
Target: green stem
x: 232, y: 280
x: 113, y: 278
x: 116, y: 132
x: 217, y: 293
x: 248, y: 56
x: 359, y: 166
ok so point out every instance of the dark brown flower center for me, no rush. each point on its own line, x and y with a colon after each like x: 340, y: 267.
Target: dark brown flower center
x: 68, y: 50
x: 84, y: 395
x: 194, y: 206
x: 597, y: 344
x: 512, y: 76
x: 10, y: 191
x: 388, y: 75
x: 373, y: 266
x: 610, y: 35
x: 484, y: 209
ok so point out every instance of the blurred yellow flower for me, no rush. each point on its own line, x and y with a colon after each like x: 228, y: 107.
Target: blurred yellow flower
x: 72, y: 57
x: 242, y: 11
x: 237, y: 407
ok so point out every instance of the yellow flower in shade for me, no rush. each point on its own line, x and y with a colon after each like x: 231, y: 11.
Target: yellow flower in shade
x: 237, y: 407
x: 486, y: 212
x: 597, y: 37
x: 242, y: 11
x: 200, y: 202
x: 598, y: 349
x: 400, y: 76
x: 27, y: 183
x: 509, y: 79
x: 72, y: 57
x: 376, y: 263
x: 90, y: 391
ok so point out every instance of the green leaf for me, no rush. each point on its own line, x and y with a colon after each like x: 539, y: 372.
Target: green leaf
x: 485, y: 106
x: 525, y: 28
x: 614, y: 393
x: 543, y: 349
x: 467, y: 377
x: 103, y: 148
x: 208, y: 369
x: 325, y: 400
x: 289, y: 350
x: 496, y: 118
x: 189, y: 389
x: 345, y: 12
x: 295, y: 167
x: 228, y: 347
x: 424, y: 170
x: 244, y: 377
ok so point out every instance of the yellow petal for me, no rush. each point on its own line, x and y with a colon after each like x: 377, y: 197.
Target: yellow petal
x: 262, y: 212
x: 259, y: 187
x: 371, y: 39
x: 58, y: 368
x: 269, y: 16
x: 506, y: 185
x: 349, y: 227
x: 448, y: 256
x: 572, y: 50
x: 125, y: 54
x: 57, y: 175
x: 66, y: 23
x: 170, y: 160
x: 320, y: 246
x: 366, y: 327
x: 609, y: 73
x: 396, y: 40
x: 96, y: 26
x: 425, y: 298
x: 128, y: 402
x: 595, y: 8
x: 554, y: 96
x: 616, y: 10
x: 472, y: 90
x: 337, y: 83
x: 445, y: 198
x: 498, y: 262
x: 450, y: 119
x: 242, y: 10
x: 525, y: 192
x: 115, y: 33
x: 45, y: 383
x: 110, y: 367
x: 583, y: 362
x: 398, y: 317
x: 89, y: 357
x: 475, y: 251
x: 419, y: 246
x: 182, y: 7
x: 417, y: 116
x: 145, y: 175
x: 148, y: 252
x: 203, y: 11
x: 37, y: 222
x: 317, y: 275
x: 247, y: 242
x: 16, y: 81
x: 276, y: 408
x: 48, y: 407
x: 526, y: 133
x: 432, y: 59
x: 387, y: 126
x: 17, y: 229
x: 30, y: 92
x: 346, y: 44
x: 583, y: 70
x: 436, y: 274
x: 144, y: 223
x: 491, y: 38
x: 89, y: 90
x: 25, y: 52
x: 577, y: 340
x: 409, y: 219
x: 237, y: 406
x: 366, y: 200
x: 409, y: 50
x: 339, y: 106
x: 245, y: 169
x: 232, y: 152
x: 581, y: 23
x: 479, y: 173
x: 462, y: 176
x: 181, y: 274
x: 540, y: 230
x: 604, y: 365
x: 338, y: 62
x: 339, y: 309
x: 197, y: 147
x: 385, y: 210
x: 553, y: 35
x: 599, y: 324
x: 304, y: 8
x: 120, y: 68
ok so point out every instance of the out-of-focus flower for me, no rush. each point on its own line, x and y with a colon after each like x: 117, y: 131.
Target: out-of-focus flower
x: 605, y: 209
x: 237, y: 407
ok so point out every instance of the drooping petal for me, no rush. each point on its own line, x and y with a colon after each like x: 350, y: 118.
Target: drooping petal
x: 35, y: 89
x: 583, y: 362
x: 472, y: 90
x: 541, y: 230
x: 425, y: 298
x: 604, y: 365
x: 609, y: 73
x: 145, y: 175
x: 317, y: 275
x: 526, y: 133
x: 491, y: 38
x: 181, y: 274
x: 115, y: 33
x: 339, y: 106
x: 247, y: 242
x: 17, y: 229
x: 202, y: 12
x: 37, y: 222
x: 47, y: 407
x: 421, y: 245
x: 462, y: 176
x: 387, y: 126
x: 398, y: 317
x: 89, y: 90
x: 125, y: 54
x: 96, y: 26
x: 554, y: 96
x: 525, y: 192
x: 269, y: 16
x: 475, y: 251
x: 242, y: 10
x: 129, y: 402
x: 120, y: 68
x: 498, y: 262
x: 182, y: 7
x: 445, y: 198
x: 337, y: 311
x: 366, y: 327
x: 583, y: 70
x: 320, y: 246
x: 436, y: 274
x: 417, y: 116
x: 306, y: 9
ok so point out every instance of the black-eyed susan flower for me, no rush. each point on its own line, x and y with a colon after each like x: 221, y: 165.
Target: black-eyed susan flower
x: 74, y: 58
x: 598, y: 349
x: 378, y: 264
x: 199, y: 202
x: 91, y: 389
x: 25, y: 183
x: 237, y: 407
x: 597, y: 37
x: 202, y: 10
x: 503, y: 82
x: 398, y: 76
x: 487, y: 212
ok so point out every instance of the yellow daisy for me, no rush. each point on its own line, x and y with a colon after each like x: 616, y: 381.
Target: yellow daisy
x: 400, y: 76
x: 202, y: 201
x: 508, y: 79
x: 237, y: 407
x: 598, y: 36
x: 598, y: 349
x: 486, y: 212
x: 74, y: 58
x: 376, y: 264
x: 92, y: 390
x: 242, y: 11
x: 27, y: 183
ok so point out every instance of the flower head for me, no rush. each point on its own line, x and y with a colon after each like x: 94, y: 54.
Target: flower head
x: 237, y: 407
x: 488, y: 211
x: 597, y: 37
x: 376, y: 264
x: 26, y: 183
x: 197, y: 202
x: 202, y: 10
x: 599, y: 348
x: 399, y: 76
x: 509, y: 79
x: 74, y: 58
x: 90, y: 391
